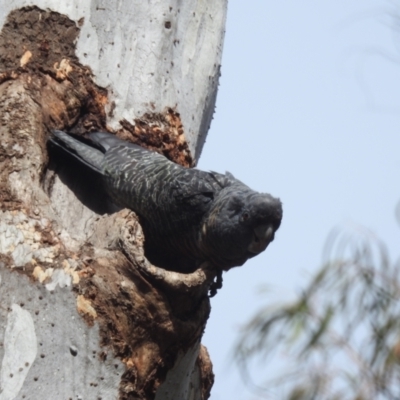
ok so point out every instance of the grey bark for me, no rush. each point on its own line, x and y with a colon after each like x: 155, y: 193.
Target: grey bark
x: 84, y: 314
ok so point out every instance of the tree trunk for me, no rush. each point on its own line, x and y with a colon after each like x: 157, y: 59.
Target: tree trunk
x: 83, y: 314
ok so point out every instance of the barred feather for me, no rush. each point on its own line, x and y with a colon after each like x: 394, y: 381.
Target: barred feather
x: 189, y: 216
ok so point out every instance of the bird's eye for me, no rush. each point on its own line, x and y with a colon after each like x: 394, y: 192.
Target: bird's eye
x: 245, y: 216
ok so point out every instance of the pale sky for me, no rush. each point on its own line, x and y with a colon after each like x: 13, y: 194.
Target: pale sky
x: 308, y: 110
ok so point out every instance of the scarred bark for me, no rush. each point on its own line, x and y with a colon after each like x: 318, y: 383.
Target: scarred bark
x: 84, y: 314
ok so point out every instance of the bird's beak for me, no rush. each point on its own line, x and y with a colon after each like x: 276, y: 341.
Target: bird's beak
x: 263, y: 236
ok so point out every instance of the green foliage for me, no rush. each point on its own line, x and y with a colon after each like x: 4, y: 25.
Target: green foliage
x: 340, y: 339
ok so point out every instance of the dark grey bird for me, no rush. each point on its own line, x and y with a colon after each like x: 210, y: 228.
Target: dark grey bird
x: 188, y: 216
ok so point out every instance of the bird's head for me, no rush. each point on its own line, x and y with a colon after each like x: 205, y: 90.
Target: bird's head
x: 240, y: 225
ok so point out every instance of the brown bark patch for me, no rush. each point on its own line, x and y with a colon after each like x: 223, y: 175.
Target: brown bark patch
x: 41, y: 44
x: 22, y: 145
x: 206, y: 372
x: 37, y: 38
x: 159, y: 132
x: 7, y: 200
x: 139, y: 324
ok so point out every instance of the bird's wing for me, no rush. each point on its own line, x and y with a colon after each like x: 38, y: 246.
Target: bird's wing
x: 88, y: 155
x: 195, y: 189
x: 106, y: 141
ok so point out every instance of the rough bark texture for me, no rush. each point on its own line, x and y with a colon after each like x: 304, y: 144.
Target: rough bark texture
x: 84, y: 314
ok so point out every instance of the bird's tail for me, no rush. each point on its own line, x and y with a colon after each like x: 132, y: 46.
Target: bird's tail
x: 88, y: 155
